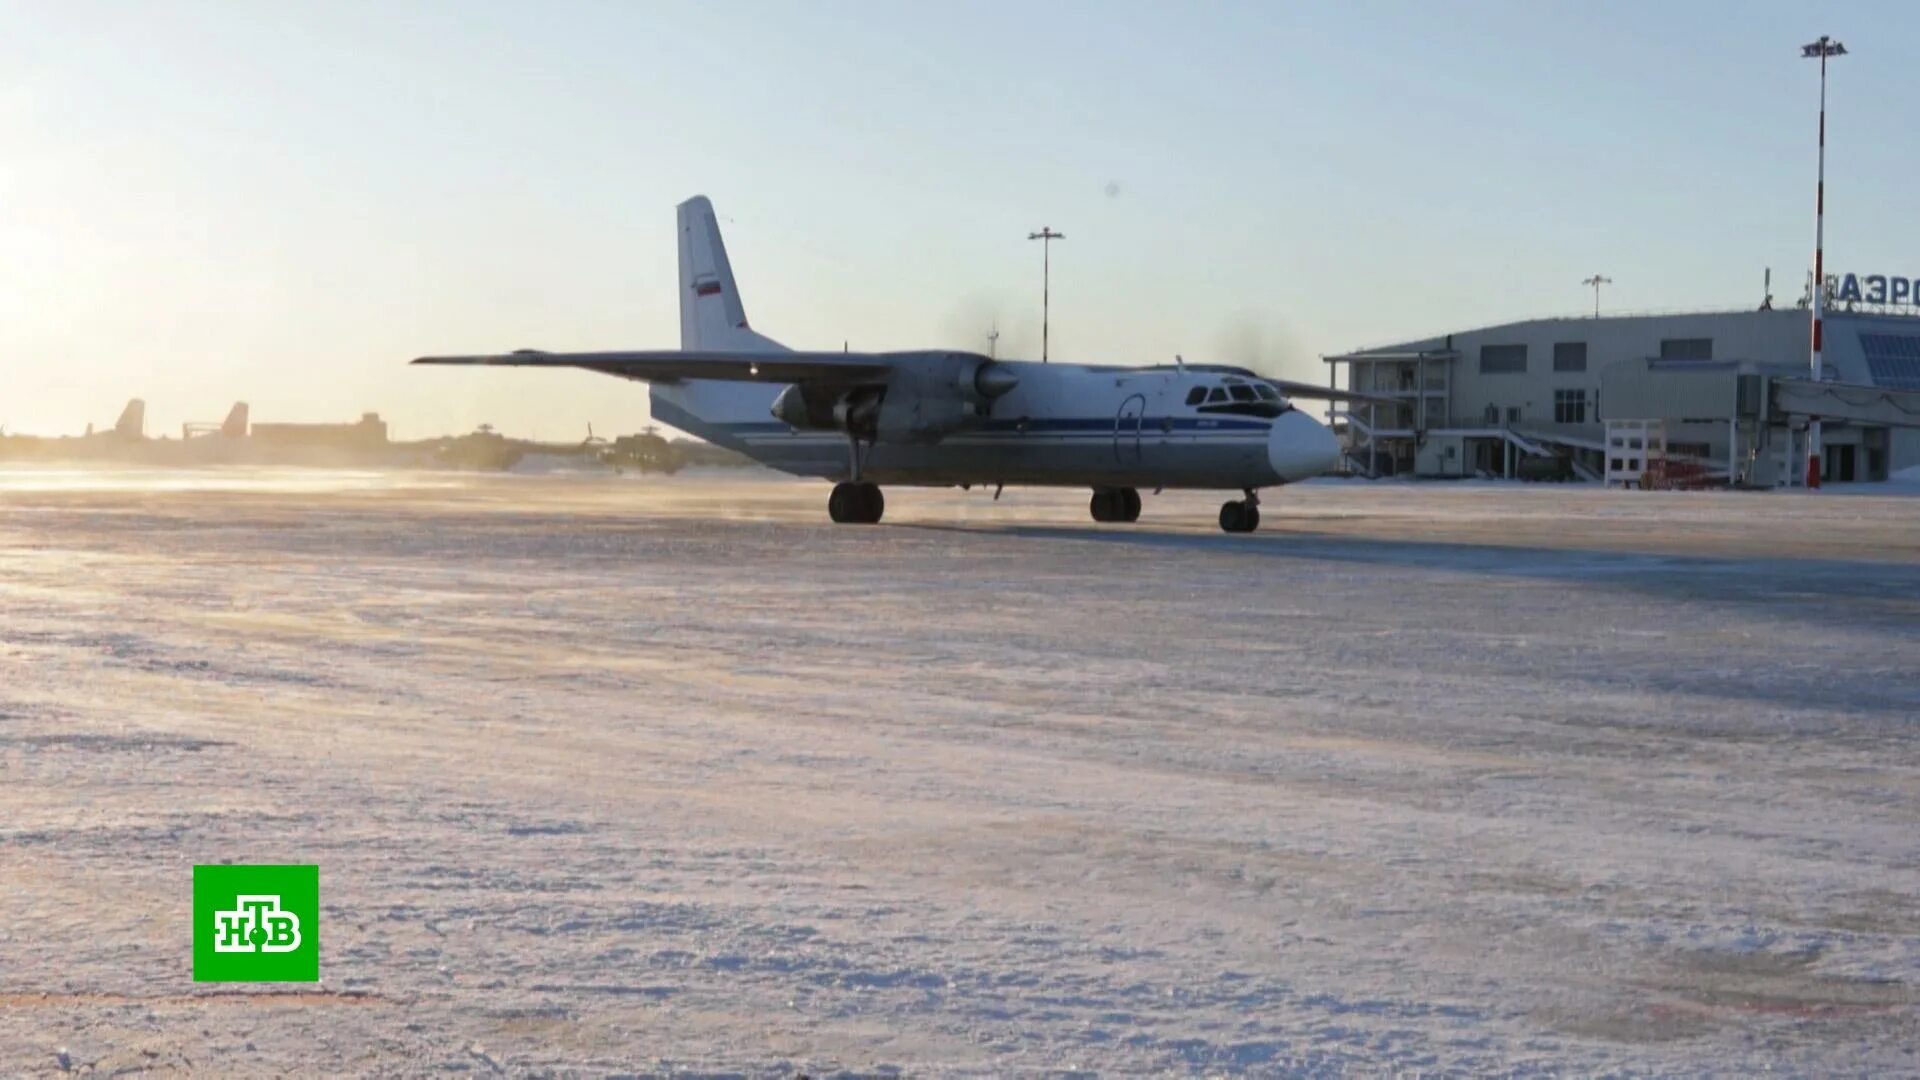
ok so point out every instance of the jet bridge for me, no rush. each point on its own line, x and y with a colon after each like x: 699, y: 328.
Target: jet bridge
x: 1876, y: 405
x: 1793, y: 402
x: 1747, y: 423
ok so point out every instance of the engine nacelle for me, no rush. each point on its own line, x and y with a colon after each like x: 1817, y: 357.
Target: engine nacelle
x: 940, y: 394
x: 924, y: 400
x: 858, y: 412
x: 803, y: 409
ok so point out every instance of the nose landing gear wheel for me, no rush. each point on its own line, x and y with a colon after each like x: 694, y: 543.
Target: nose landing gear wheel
x: 1115, y: 505
x: 1239, y: 517
x: 856, y: 504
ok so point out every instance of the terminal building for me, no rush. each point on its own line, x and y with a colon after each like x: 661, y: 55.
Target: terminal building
x: 1719, y: 396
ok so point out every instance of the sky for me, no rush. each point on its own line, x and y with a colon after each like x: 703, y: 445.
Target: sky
x: 283, y: 202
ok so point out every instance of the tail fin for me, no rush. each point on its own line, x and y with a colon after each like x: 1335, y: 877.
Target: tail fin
x: 235, y: 426
x: 711, y: 313
x: 133, y: 420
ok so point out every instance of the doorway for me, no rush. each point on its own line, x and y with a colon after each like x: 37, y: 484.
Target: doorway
x: 1126, y: 429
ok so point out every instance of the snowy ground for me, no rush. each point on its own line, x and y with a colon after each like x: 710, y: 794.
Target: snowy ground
x: 642, y: 776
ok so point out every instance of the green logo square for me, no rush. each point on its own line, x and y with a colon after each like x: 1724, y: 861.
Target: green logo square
x: 256, y: 924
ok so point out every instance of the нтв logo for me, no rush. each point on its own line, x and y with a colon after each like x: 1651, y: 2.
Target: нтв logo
x: 256, y: 924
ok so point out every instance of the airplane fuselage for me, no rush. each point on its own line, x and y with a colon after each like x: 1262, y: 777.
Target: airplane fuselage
x: 1062, y: 424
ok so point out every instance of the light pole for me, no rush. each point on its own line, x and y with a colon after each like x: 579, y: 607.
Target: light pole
x: 1596, y: 281
x: 1823, y: 48
x: 1046, y: 236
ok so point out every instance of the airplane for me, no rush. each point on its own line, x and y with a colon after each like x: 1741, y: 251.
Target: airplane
x: 940, y: 417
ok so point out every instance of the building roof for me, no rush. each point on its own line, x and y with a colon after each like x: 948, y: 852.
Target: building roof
x: 1390, y: 354
x: 1441, y: 342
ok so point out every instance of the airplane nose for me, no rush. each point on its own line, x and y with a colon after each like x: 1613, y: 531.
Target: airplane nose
x: 1300, y: 447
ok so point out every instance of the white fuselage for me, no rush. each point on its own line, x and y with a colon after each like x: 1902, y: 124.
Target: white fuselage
x: 1063, y: 424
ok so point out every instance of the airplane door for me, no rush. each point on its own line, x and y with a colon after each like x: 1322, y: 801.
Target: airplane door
x: 1126, y: 429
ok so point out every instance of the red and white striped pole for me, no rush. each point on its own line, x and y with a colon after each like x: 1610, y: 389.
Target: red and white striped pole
x: 1823, y: 48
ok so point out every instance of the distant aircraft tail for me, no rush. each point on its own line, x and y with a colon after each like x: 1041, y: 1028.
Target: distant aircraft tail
x: 133, y: 420
x: 711, y: 313
x: 235, y: 426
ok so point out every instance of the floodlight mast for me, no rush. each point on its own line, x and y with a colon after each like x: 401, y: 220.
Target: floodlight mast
x: 1822, y: 49
x: 1595, y: 282
x: 1046, y: 236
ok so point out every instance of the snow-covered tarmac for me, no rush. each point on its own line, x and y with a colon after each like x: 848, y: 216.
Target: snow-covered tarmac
x: 614, y: 776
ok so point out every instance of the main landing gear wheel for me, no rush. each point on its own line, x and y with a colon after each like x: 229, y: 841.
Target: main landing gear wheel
x: 856, y: 504
x: 1115, y: 504
x: 1240, y: 517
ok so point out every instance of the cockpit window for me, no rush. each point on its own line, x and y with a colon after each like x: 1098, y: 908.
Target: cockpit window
x: 1236, y: 398
x: 1196, y: 395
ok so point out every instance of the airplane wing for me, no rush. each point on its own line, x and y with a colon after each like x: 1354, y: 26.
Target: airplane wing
x: 1324, y: 393
x: 668, y: 365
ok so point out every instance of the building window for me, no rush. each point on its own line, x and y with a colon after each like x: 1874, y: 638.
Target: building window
x: 1493, y: 416
x: 1569, y: 356
x: 1503, y: 359
x: 1686, y: 348
x: 1697, y: 450
x: 1569, y: 406
x: 1513, y: 414
x: 1893, y: 360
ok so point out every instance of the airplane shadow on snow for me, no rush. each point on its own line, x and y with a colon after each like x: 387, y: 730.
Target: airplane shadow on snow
x: 1684, y: 577
x: 1872, y: 597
